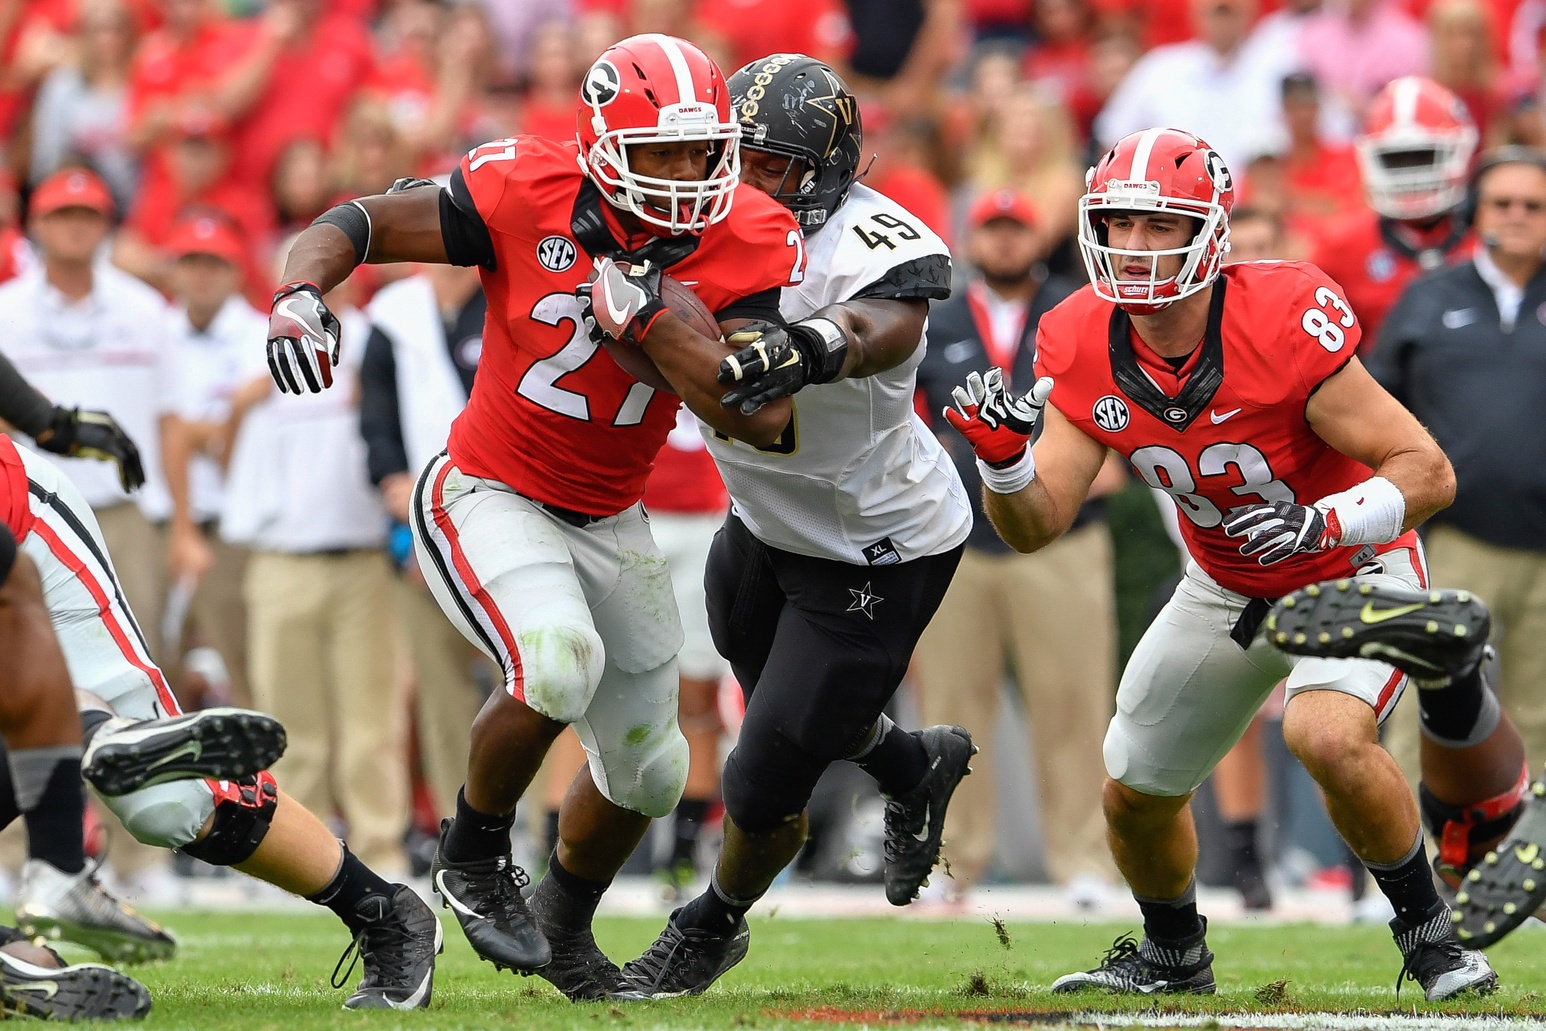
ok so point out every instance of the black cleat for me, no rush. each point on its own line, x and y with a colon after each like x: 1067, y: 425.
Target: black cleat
x: 398, y: 942
x: 1434, y: 957
x: 1147, y: 968
x: 1432, y: 636
x: 579, y: 968
x: 915, y: 821
x: 486, y: 897
x: 85, y: 991
x: 222, y: 744
x: 1509, y: 884
x: 685, y: 961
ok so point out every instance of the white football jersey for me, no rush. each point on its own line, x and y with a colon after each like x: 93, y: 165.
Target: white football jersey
x: 857, y: 477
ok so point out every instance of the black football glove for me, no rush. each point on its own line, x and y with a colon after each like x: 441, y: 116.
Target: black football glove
x: 1277, y: 530
x: 77, y: 434
x: 776, y: 361
x: 620, y: 301
x: 303, y: 340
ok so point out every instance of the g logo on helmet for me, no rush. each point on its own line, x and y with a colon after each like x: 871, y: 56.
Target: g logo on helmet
x: 1218, y: 172
x: 602, y: 84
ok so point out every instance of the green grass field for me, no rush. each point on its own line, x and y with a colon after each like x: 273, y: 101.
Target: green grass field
x: 252, y: 972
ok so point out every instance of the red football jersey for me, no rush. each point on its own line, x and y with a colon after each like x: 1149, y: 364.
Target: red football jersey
x: 1371, y: 272
x: 551, y: 414
x: 15, y: 507
x: 1228, y: 429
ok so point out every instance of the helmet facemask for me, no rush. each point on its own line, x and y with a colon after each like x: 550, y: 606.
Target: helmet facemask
x: 1416, y: 174
x: 1201, y: 256
x: 677, y: 206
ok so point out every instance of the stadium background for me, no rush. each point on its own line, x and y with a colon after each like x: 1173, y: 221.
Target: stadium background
x: 264, y: 114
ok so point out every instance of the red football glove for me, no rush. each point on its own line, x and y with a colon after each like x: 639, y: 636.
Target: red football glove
x: 996, y: 424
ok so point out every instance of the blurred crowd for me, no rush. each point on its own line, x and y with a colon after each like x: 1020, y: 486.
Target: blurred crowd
x: 203, y: 134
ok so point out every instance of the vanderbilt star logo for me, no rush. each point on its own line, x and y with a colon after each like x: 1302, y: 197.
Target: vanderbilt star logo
x: 864, y: 601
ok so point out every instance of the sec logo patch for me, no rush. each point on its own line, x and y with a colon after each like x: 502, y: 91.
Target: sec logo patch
x: 1110, y: 413
x: 556, y: 253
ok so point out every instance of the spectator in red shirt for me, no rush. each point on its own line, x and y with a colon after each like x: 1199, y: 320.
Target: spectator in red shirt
x: 199, y: 180
x: 744, y: 30
x: 302, y: 189
x: 308, y: 84
x: 1059, y: 60
x: 431, y: 78
x: 15, y: 253
x: 904, y: 166
x: 1320, y: 177
x: 547, y: 108
x: 34, y: 39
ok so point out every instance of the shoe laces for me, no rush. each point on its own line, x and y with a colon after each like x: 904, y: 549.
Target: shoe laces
x: 903, y: 818
x: 504, y: 881
x: 1422, y: 957
x: 378, y: 944
x: 1123, y: 952
x: 657, y: 958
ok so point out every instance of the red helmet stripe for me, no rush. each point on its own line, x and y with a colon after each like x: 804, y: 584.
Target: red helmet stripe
x: 685, y: 93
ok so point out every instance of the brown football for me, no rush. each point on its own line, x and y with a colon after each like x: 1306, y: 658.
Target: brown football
x: 685, y: 305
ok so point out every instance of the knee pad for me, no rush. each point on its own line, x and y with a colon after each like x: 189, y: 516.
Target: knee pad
x: 560, y: 668
x: 761, y: 794
x: 166, y: 815
x: 1465, y: 832
x: 648, y: 779
x: 243, y: 811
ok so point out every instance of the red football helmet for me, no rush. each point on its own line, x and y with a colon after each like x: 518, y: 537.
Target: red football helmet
x: 1152, y: 171
x: 1416, y: 148
x: 652, y: 88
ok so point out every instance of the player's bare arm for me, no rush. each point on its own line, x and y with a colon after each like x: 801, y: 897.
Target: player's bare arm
x: 1031, y: 494
x: 1355, y: 415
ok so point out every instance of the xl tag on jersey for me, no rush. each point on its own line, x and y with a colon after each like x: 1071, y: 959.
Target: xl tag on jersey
x: 882, y: 553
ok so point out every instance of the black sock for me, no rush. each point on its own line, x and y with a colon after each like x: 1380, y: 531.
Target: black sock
x: 352, y: 884
x: 1240, y: 840
x: 1408, y: 884
x: 55, y: 821
x: 1451, y: 713
x: 91, y: 722
x: 550, y: 830
x: 897, y: 760
x: 690, y: 813
x: 577, y: 897
x: 474, y: 835
x: 714, y: 911
x: 1171, y: 920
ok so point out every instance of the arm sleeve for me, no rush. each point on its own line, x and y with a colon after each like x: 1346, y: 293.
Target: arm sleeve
x: 762, y: 306
x: 380, y: 416
x: 925, y: 278
x: 465, y: 233
x: 20, y: 403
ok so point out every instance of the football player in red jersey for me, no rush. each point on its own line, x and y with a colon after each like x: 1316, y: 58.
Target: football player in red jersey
x: 529, y: 528
x: 1236, y: 391
x: 1415, y: 157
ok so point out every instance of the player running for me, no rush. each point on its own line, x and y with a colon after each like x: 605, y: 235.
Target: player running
x: 1234, y: 390
x: 529, y: 529
x: 843, y: 535
x: 1414, y: 155
x: 244, y: 822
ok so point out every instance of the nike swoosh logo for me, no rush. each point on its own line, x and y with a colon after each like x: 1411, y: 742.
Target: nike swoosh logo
x: 1372, y: 615
x: 284, y: 309
x: 1217, y: 418
x: 925, y: 835
x: 48, y: 989
x: 452, y: 899
x: 191, y: 750
x: 619, y: 315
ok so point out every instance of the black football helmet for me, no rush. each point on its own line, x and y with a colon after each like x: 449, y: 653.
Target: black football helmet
x: 794, y: 105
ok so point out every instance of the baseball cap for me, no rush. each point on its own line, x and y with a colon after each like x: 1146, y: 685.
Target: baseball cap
x: 1006, y: 203
x: 71, y: 188
x: 206, y: 234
